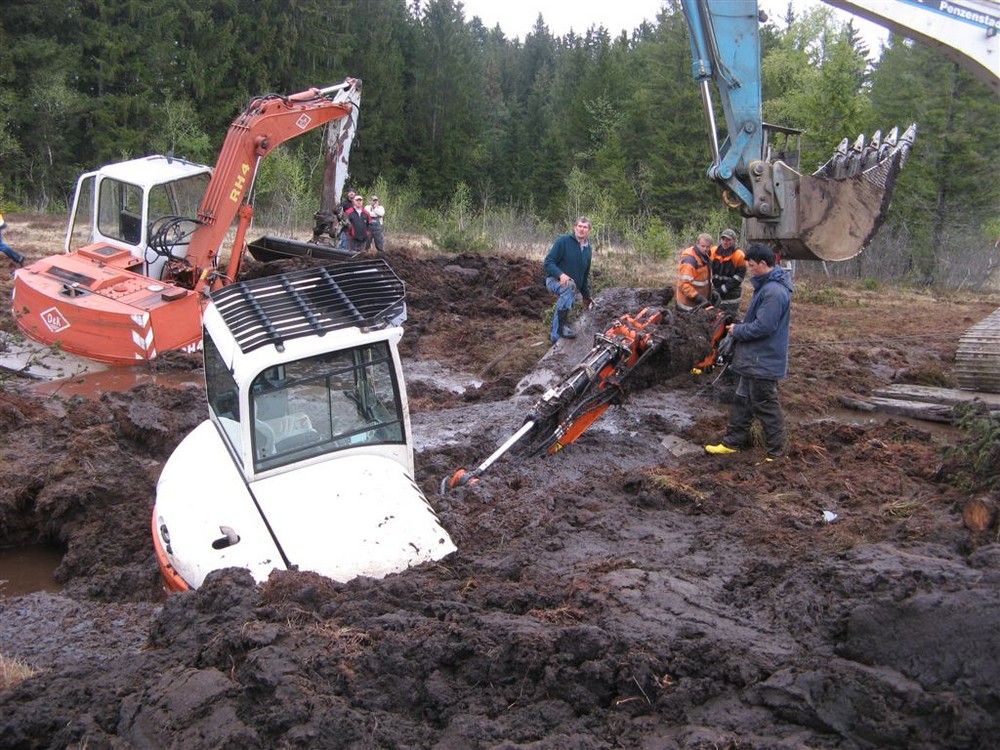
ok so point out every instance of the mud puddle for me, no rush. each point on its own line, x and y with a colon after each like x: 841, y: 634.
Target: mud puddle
x: 93, y: 385
x: 25, y: 570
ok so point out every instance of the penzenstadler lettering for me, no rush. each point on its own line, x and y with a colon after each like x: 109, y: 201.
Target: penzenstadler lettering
x: 970, y: 15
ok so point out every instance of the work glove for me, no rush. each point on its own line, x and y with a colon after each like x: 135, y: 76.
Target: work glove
x: 716, y: 297
x: 700, y: 299
x: 724, y: 349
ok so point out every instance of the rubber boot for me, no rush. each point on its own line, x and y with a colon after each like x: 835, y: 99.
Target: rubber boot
x: 564, y: 328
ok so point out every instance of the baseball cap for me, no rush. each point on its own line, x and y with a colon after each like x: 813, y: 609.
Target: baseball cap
x: 728, y: 234
x: 374, y: 197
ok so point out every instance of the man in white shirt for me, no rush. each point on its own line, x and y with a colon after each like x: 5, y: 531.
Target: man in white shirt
x: 377, y: 211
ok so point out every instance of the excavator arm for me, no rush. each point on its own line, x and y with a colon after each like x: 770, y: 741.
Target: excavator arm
x: 267, y: 122
x: 829, y: 215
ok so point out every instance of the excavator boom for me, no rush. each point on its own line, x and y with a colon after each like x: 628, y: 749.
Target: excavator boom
x: 965, y: 31
x: 833, y: 213
x: 266, y: 123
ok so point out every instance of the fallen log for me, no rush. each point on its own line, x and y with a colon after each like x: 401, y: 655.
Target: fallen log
x: 915, y: 409
x: 856, y: 404
x: 945, y: 396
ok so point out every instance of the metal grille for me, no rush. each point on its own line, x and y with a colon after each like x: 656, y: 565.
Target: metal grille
x: 274, y: 309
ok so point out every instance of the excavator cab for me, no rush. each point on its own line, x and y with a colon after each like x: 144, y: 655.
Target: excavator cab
x: 124, y: 206
x: 306, y: 459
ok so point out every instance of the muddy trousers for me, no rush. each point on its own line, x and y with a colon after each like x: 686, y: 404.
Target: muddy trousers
x: 756, y: 397
x: 566, y: 296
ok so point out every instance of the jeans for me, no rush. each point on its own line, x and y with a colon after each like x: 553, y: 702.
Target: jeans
x: 566, y: 296
x: 756, y: 397
x: 10, y: 252
x: 377, y: 238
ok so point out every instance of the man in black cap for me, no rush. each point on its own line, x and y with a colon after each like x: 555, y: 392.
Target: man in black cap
x: 729, y: 268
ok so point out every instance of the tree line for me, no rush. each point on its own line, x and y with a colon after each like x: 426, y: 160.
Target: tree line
x: 543, y: 127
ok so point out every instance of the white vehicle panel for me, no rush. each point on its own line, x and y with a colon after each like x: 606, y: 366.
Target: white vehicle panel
x: 355, y: 515
x: 195, y: 519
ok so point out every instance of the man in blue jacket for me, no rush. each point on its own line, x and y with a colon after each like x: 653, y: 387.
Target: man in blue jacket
x: 760, y: 356
x: 567, y: 269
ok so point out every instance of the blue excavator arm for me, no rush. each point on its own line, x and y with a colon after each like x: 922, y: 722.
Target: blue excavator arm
x: 725, y: 48
x: 831, y: 214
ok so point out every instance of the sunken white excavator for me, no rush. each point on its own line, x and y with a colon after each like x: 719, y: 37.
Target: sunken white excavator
x: 306, y: 459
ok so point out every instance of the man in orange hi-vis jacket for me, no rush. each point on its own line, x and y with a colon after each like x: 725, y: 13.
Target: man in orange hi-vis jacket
x: 694, y: 275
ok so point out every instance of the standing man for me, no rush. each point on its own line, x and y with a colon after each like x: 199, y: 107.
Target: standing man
x: 694, y: 275
x: 358, y: 225
x: 345, y: 228
x: 729, y: 267
x: 377, y: 211
x: 6, y: 249
x: 567, y: 269
x: 760, y: 356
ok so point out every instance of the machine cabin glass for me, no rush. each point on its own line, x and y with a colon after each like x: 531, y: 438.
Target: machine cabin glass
x: 326, y: 403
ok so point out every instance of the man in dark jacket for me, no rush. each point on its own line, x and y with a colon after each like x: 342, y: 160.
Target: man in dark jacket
x: 359, y: 225
x: 567, y: 270
x: 345, y: 204
x: 760, y: 356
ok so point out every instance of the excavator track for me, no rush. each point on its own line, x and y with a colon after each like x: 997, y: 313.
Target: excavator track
x: 977, y: 359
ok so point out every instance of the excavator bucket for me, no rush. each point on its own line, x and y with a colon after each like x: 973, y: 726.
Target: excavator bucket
x: 833, y: 213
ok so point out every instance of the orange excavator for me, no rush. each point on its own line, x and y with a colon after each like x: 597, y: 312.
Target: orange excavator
x: 138, y: 283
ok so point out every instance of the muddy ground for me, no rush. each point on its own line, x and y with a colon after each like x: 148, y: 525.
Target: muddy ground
x: 628, y: 592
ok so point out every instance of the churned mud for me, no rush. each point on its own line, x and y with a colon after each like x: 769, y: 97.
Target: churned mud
x: 627, y: 592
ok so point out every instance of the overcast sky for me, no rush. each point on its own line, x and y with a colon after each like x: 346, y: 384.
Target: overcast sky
x: 517, y: 17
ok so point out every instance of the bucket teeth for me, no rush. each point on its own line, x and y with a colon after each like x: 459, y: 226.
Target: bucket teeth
x: 851, y: 161
x: 910, y: 135
x: 872, y: 151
